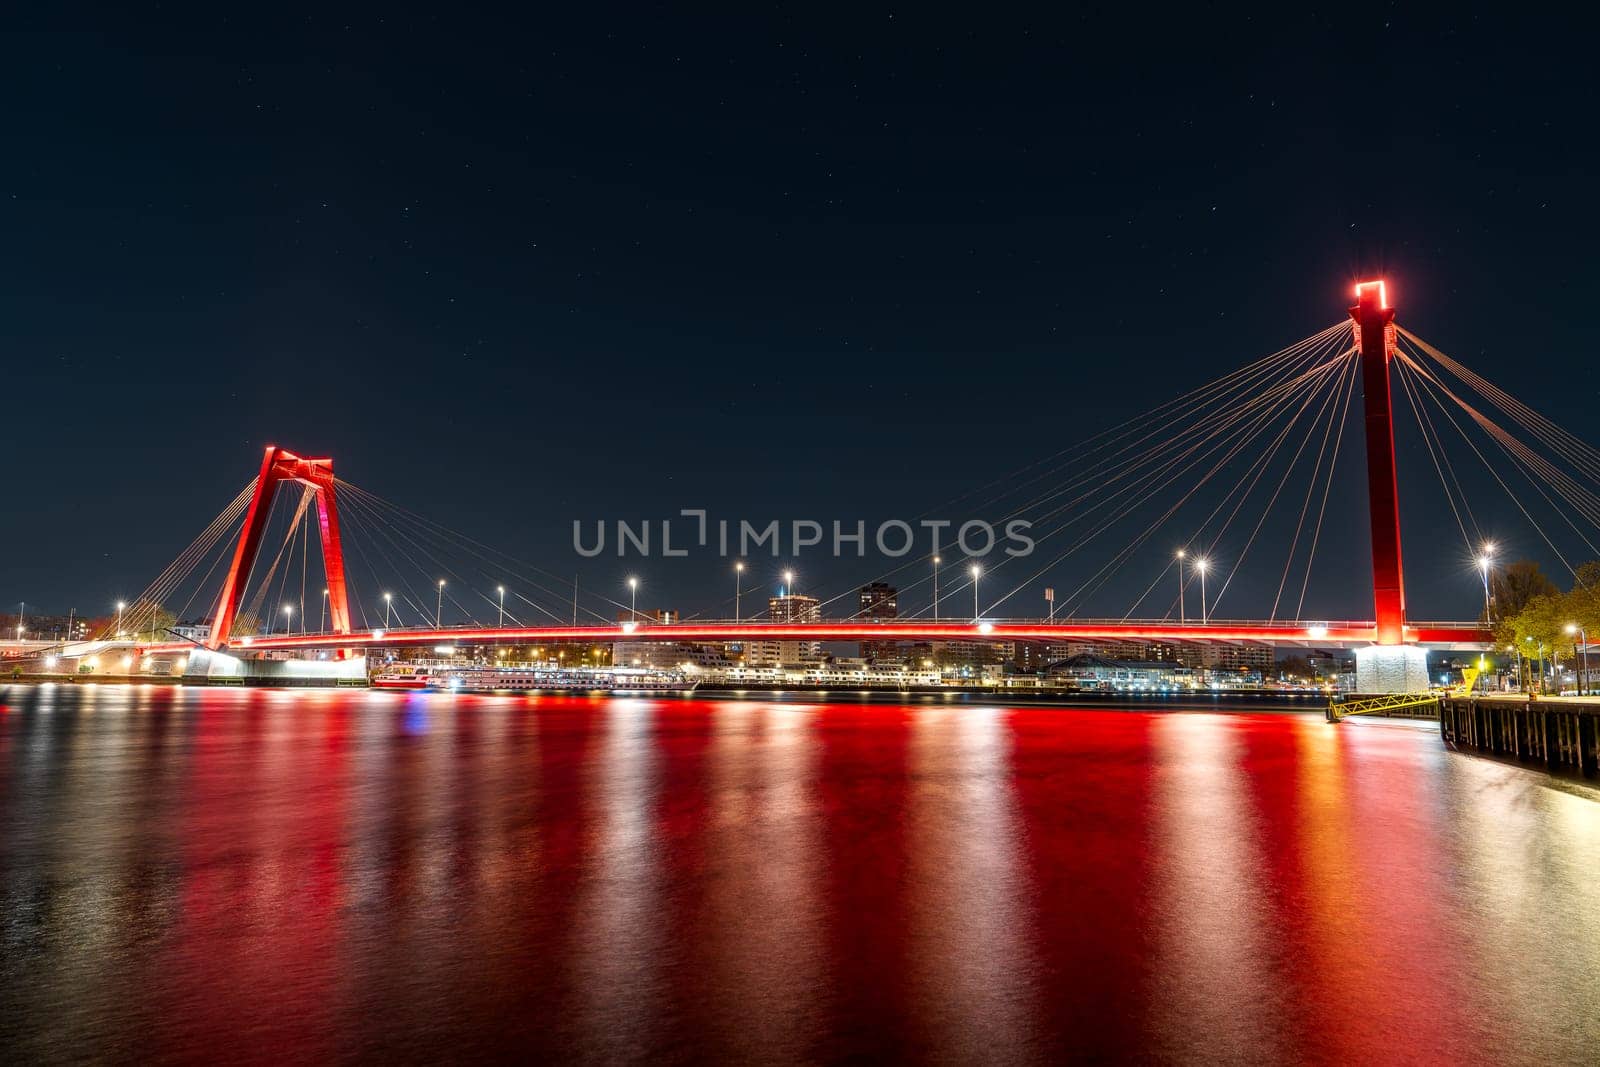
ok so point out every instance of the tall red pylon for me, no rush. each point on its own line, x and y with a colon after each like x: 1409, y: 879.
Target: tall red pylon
x: 277, y: 466
x: 1375, y: 330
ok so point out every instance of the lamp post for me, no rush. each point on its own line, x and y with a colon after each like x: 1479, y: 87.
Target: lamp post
x: 633, y: 599
x: 120, y: 606
x: 975, y: 571
x: 1581, y: 654
x: 738, y: 590
x: 1200, y: 566
x: 1183, y: 618
x: 502, y: 591
x: 788, y: 583
x: 388, y: 603
x: 438, y: 608
x: 22, y: 609
x: 288, y: 618
x: 935, y: 588
x: 1485, y: 564
x: 322, y: 620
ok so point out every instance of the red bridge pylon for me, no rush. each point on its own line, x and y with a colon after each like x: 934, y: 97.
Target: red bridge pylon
x: 278, y: 466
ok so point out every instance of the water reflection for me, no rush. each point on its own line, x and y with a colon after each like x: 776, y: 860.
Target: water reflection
x: 335, y: 874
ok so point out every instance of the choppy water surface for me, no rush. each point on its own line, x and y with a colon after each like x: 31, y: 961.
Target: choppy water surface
x: 192, y: 874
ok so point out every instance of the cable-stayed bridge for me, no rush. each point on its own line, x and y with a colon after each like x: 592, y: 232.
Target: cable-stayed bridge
x: 1243, y: 467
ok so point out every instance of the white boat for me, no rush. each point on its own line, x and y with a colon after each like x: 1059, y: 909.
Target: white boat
x: 499, y: 679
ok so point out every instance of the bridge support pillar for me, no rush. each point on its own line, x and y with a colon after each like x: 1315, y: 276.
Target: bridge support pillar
x: 1374, y: 320
x: 1391, y: 669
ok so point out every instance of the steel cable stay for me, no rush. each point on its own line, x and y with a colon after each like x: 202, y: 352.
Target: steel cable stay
x: 1294, y: 357
x: 1236, y: 428
x: 1097, y: 478
x: 1201, y: 395
x: 265, y: 585
x: 148, y: 600
x: 358, y: 536
x: 1541, y: 471
x: 1514, y: 497
x: 387, y: 532
x: 1333, y: 459
x: 1582, y: 455
x: 1160, y: 422
x: 495, y: 570
x: 1253, y: 473
x: 419, y: 534
x: 1293, y: 462
x: 1579, y: 495
x: 479, y: 549
x: 1335, y: 415
x: 1429, y: 437
x: 1233, y: 438
x: 1246, y: 435
x: 417, y: 539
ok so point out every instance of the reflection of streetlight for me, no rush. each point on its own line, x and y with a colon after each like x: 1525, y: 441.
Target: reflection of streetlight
x: 975, y: 570
x: 1200, y: 565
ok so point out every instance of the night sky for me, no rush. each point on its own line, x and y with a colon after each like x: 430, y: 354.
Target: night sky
x: 515, y: 270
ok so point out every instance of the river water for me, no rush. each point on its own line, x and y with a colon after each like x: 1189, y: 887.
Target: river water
x: 191, y: 874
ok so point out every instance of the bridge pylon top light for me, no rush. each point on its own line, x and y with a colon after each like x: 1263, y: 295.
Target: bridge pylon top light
x: 1373, y: 294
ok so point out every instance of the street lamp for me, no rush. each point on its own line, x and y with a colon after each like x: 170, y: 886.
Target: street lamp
x: 1485, y: 564
x: 738, y: 579
x: 1582, y: 656
x: 322, y: 621
x: 935, y: 588
x: 388, y: 602
x: 975, y: 571
x: 288, y: 618
x: 1200, y: 566
x: 438, y: 608
x: 120, y: 606
x: 1182, y: 615
x: 502, y: 591
x: 788, y: 583
x: 633, y: 599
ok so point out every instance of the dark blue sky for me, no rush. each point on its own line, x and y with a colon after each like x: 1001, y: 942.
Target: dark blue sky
x: 514, y: 270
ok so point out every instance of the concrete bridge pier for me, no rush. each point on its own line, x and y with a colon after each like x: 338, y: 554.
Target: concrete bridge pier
x: 1391, y: 669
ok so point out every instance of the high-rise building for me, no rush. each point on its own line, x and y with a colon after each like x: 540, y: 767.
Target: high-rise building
x: 879, y: 601
x: 1228, y: 656
x: 790, y: 607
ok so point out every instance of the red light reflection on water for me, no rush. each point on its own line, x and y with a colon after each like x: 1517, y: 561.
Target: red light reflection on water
x: 334, y: 874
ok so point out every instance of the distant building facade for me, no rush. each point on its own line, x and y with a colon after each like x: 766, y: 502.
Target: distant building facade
x: 879, y: 602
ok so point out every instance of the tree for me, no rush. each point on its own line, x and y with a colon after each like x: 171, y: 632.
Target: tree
x: 1514, y: 587
x: 1297, y: 667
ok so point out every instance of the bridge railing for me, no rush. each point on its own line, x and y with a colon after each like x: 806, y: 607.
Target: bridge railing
x: 1065, y: 623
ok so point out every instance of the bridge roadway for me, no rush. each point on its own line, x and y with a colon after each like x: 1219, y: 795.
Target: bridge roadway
x: 1465, y: 635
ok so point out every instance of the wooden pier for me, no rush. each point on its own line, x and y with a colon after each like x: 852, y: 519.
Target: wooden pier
x: 1558, y: 733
